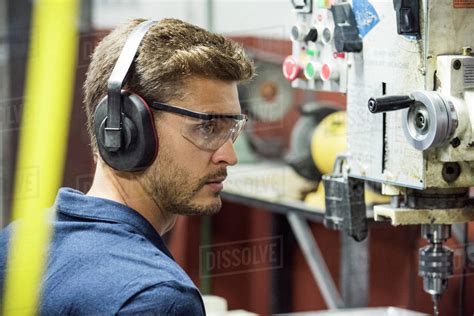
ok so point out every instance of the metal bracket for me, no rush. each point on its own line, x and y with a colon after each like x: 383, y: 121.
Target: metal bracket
x: 315, y: 260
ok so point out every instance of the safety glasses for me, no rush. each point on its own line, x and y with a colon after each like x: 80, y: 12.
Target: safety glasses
x: 207, y: 131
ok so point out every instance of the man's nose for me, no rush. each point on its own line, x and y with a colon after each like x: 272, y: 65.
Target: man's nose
x: 225, y: 154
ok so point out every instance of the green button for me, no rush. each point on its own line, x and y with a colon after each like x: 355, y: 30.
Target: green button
x: 310, y: 72
x: 312, y: 52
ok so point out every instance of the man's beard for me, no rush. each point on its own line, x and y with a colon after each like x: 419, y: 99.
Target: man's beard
x: 173, y: 189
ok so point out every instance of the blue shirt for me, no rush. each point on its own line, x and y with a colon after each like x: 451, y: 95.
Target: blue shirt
x: 104, y: 259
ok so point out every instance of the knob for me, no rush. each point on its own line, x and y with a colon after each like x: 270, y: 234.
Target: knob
x: 312, y: 35
x: 291, y: 68
x: 328, y: 71
x: 390, y: 103
x: 298, y: 32
x: 311, y: 70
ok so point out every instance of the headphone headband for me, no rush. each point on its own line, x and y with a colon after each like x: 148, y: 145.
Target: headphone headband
x: 113, y: 129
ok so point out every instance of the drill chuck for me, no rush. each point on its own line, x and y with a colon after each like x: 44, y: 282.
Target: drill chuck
x: 436, y: 266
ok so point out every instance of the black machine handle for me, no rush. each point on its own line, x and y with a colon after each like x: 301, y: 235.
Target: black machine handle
x: 390, y: 103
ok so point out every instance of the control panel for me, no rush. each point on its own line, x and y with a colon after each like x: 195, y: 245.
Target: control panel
x: 324, y: 33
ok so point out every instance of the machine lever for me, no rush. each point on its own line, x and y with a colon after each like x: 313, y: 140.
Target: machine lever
x: 390, y: 103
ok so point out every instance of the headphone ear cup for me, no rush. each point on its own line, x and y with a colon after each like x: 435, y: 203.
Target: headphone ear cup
x: 139, y: 140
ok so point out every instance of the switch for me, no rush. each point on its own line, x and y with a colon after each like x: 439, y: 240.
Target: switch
x: 346, y: 34
x: 338, y: 55
x: 327, y: 36
x: 302, y: 6
x: 328, y: 72
x: 312, y: 35
x: 291, y: 69
x: 298, y: 32
x: 311, y: 70
x: 408, y: 17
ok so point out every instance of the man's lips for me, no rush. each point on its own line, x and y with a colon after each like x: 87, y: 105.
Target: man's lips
x: 216, y: 185
x: 216, y: 180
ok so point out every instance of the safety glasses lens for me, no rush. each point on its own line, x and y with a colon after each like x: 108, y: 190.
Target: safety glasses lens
x: 212, y: 134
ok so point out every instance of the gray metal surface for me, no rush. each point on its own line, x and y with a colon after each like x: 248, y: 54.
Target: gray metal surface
x: 430, y: 122
x: 370, y: 311
x: 386, y: 58
x: 345, y: 206
x: 354, y: 282
x: 391, y: 64
x: 315, y: 261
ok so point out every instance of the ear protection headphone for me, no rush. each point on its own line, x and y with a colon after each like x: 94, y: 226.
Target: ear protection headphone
x: 123, y: 121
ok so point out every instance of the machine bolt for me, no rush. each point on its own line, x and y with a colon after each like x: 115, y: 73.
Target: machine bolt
x: 467, y: 51
x: 451, y: 171
x: 455, y: 142
x: 457, y: 64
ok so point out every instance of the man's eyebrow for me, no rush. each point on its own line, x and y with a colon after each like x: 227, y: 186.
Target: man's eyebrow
x: 223, y: 113
x: 206, y: 108
x: 214, y: 112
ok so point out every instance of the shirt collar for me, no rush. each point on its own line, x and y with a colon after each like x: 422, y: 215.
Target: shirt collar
x: 75, y: 203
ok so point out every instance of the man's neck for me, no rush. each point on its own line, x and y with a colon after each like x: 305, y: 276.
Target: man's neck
x: 126, y: 189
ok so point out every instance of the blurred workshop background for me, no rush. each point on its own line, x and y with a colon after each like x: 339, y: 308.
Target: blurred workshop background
x: 268, y: 250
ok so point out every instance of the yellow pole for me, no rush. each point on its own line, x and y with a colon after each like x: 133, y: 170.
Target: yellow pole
x: 42, y: 148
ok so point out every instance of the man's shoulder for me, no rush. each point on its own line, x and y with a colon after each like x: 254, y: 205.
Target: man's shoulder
x: 114, y: 248
x: 165, y: 298
x: 105, y: 265
x: 120, y: 282
x: 111, y: 255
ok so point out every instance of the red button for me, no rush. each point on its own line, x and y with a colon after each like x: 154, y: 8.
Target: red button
x: 338, y: 55
x: 325, y: 72
x: 291, y: 68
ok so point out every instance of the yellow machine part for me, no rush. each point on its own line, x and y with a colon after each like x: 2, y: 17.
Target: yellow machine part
x: 329, y: 139
x: 42, y: 148
x: 317, y: 198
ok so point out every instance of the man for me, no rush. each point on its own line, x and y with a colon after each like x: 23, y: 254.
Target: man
x: 106, y: 254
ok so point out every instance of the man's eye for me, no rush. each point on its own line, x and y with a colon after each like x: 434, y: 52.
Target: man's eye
x: 207, y: 128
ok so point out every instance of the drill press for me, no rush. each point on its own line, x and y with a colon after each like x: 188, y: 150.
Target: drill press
x: 411, y: 63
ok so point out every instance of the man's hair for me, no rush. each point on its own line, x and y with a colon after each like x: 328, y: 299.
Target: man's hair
x: 170, y: 53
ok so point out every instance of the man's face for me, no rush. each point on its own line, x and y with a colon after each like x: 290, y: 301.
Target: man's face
x: 186, y: 179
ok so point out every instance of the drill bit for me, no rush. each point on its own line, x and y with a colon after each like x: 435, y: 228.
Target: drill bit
x: 435, y: 304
